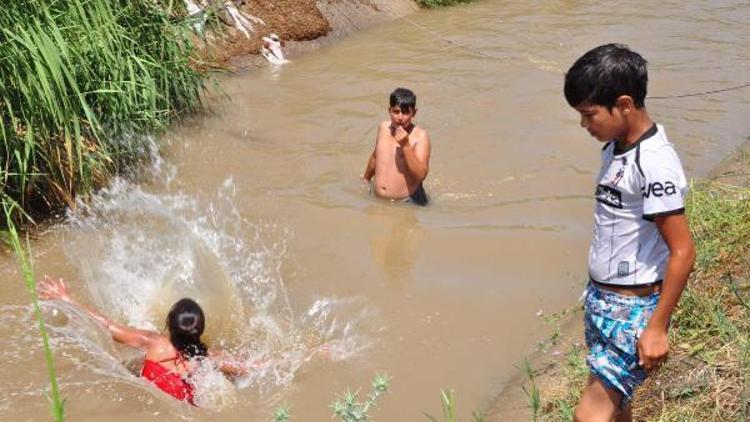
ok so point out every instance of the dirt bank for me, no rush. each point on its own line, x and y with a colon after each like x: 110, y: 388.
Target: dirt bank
x: 549, y: 364
x: 304, y: 25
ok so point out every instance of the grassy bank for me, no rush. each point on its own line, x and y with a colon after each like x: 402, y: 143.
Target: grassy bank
x: 708, y: 374
x: 79, y: 78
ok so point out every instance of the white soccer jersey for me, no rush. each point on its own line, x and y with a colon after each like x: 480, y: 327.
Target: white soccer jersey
x: 632, y: 189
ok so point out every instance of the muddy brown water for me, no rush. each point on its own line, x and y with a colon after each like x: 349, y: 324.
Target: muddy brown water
x: 255, y: 208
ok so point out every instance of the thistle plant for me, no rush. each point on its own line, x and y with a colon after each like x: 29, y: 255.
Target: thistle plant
x: 349, y: 409
x: 281, y: 414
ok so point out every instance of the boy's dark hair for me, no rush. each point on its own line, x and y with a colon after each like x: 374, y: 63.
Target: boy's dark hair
x: 605, y: 73
x: 404, y: 98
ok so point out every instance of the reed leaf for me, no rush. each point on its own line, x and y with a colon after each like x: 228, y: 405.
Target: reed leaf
x: 22, y: 254
x: 76, y: 76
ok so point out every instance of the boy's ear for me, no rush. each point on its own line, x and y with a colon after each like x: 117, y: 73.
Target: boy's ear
x: 625, y: 103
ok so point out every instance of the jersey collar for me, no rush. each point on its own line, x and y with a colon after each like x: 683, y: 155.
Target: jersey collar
x: 647, y: 134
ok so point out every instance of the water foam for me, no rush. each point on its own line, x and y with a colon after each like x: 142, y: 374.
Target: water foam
x: 137, y: 252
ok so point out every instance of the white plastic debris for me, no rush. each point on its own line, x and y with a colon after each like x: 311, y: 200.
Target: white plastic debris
x: 272, y: 49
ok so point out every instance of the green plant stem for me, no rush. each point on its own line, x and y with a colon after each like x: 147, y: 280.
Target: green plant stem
x: 56, y: 403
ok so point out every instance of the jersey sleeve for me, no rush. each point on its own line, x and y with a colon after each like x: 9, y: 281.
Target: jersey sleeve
x: 664, y: 184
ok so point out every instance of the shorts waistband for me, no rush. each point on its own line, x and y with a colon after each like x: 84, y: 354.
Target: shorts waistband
x: 616, y: 298
x: 626, y: 286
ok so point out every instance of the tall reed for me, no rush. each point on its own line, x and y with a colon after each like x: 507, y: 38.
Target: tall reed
x: 22, y: 254
x: 76, y: 77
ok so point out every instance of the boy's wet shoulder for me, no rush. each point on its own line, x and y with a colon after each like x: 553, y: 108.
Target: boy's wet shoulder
x: 420, y: 132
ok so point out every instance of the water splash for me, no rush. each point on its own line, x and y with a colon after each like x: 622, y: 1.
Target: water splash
x: 138, y: 252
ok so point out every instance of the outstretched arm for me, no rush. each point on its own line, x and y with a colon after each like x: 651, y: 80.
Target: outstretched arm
x: 227, y: 363
x: 232, y: 366
x: 51, y: 289
x: 235, y: 367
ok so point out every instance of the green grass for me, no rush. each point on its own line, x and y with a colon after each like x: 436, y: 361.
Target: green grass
x: 23, y: 256
x: 80, y: 82
x: 574, y: 372
x: 448, y: 407
x: 707, y: 376
x: 78, y: 78
x: 718, y: 219
x: 531, y: 390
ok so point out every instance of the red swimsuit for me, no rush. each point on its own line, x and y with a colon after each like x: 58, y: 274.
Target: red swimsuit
x: 168, y: 381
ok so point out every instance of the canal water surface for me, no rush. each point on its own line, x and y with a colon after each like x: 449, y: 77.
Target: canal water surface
x: 255, y: 209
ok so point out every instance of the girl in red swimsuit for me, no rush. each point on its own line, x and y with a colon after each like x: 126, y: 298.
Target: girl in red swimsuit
x: 170, y: 360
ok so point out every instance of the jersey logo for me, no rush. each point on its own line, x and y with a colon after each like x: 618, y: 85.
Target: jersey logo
x: 608, y: 196
x: 618, y: 176
x: 659, y: 189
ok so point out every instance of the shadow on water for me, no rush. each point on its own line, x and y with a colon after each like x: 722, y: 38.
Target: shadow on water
x: 395, y: 244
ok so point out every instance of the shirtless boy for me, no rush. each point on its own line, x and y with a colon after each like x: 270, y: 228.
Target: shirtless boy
x: 401, y: 158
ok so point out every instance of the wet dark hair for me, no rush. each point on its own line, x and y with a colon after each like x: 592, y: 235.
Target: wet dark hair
x: 404, y: 98
x: 186, y: 322
x: 605, y: 73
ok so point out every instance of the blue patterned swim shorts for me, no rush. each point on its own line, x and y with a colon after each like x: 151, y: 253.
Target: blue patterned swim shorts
x: 613, y: 324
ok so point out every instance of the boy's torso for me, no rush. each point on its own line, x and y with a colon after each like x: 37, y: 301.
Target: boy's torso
x: 632, y: 188
x: 391, y: 177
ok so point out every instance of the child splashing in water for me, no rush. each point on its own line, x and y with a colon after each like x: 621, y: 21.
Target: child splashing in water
x: 171, y: 359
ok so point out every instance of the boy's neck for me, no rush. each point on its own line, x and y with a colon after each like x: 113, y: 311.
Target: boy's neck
x: 638, y: 123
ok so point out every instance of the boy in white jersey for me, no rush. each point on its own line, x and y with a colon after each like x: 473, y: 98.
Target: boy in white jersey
x: 642, y: 251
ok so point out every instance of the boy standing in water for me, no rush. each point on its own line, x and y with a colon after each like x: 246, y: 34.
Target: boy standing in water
x: 642, y: 251
x: 400, y: 161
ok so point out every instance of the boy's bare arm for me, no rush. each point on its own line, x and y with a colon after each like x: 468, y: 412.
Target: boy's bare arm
x: 417, y: 156
x: 653, y: 345
x: 370, y: 168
